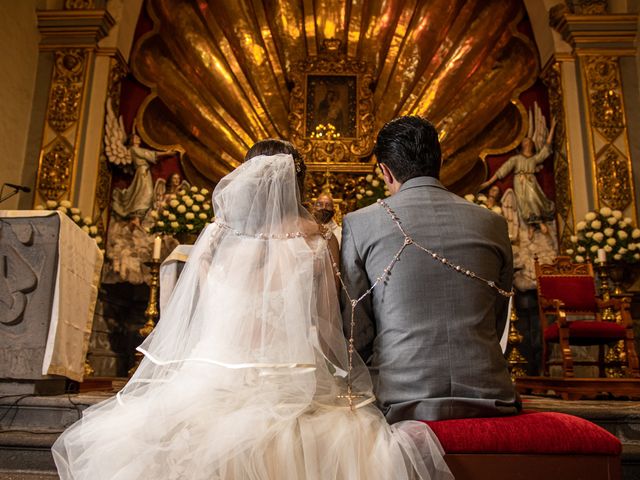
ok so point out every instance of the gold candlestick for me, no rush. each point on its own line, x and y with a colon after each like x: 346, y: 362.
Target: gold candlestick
x: 152, y: 311
x: 515, y: 359
x: 615, y: 355
x: 605, y: 291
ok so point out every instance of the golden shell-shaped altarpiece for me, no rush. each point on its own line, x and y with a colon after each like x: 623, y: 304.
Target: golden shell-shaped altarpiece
x: 223, y: 75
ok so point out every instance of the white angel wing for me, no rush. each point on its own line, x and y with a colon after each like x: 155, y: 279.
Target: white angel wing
x: 115, y: 139
x: 540, y: 131
x: 159, y: 189
x: 184, y: 186
x: 510, y: 213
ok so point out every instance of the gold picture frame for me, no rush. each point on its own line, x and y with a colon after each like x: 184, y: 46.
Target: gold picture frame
x: 332, y: 89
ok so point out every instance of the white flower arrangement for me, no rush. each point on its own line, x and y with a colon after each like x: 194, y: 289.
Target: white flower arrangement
x: 370, y: 188
x: 188, y: 211
x: 481, y: 199
x: 605, y: 229
x: 85, y: 223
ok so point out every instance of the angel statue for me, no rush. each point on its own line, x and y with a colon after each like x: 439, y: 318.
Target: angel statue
x: 163, y: 189
x: 533, y: 206
x: 134, y: 201
x: 129, y: 244
x: 529, y: 213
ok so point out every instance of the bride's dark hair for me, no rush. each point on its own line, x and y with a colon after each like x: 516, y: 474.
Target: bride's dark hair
x: 273, y: 146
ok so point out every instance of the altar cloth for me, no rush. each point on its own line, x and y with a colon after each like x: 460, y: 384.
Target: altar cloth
x: 79, y: 262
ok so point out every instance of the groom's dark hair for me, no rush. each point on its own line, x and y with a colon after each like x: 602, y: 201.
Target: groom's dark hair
x: 409, y: 146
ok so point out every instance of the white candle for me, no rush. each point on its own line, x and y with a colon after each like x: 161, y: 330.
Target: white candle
x: 157, y: 245
x: 602, y: 256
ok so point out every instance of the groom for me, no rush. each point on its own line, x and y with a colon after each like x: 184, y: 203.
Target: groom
x: 429, y: 333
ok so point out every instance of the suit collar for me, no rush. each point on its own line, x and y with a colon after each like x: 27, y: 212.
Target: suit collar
x: 421, y: 182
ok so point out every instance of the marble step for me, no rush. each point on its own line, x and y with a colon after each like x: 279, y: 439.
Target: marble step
x: 57, y: 412
x: 27, y: 450
x: 620, y: 417
x: 28, y: 427
x: 26, y: 475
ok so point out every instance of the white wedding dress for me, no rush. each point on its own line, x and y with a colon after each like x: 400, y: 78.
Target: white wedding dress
x: 245, y: 374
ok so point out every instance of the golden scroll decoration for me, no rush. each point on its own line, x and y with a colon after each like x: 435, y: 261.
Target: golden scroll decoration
x: 57, y: 157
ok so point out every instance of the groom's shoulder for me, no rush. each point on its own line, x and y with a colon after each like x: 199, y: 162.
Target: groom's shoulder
x: 363, y: 215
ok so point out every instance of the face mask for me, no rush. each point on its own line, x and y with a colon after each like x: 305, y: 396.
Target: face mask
x: 323, y: 216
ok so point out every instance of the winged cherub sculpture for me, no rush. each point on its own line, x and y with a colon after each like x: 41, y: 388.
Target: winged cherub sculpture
x: 134, y: 201
x: 532, y: 205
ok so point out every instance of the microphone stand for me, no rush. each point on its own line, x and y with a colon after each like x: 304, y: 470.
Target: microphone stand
x: 9, y: 195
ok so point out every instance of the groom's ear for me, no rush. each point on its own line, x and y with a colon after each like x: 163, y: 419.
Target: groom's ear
x: 388, y: 176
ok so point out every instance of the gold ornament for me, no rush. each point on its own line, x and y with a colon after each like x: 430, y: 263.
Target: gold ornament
x: 55, y: 170
x: 79, y: 4
x: 152, y: 313
x: 588, y: 7
x: 614, y: 184
x: 66, y: 89
x: 222, y: 81
x: 552, y: 78
x: 515, y: 359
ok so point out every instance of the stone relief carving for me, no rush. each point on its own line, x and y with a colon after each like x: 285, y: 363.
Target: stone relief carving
x: 17, y: 277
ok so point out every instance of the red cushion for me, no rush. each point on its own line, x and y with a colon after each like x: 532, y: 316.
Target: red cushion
x: 587, y: 333
x: 577, y: 292
x: 527, y: 433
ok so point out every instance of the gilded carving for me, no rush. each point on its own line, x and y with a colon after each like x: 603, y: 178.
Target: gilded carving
x: 606, y: 114
x: 64, y: 106
x: 327, y: 74
x: 79, y: 4
x: 69, y: 65
x: 614, y: 188
x: 564, y: 202
x: 117, y: 72
x: 588, y: 7
x: 564, y: 266
x: 605, y: 96
x: 55, y: 171
x: 231, y: 75
x: 66, y: 91
x: 341, y: 186
x: 103, y: 187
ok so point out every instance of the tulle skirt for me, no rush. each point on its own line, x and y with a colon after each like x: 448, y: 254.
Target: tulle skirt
x: 201, y: 425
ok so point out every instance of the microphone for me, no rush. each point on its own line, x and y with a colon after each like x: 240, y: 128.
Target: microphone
x: 18, y: 187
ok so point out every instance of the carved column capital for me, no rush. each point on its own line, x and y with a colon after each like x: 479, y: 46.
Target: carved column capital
x: 595, y: 32
x: 77, y: 28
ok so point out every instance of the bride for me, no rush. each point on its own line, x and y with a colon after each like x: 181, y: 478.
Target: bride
x: 247, y: 375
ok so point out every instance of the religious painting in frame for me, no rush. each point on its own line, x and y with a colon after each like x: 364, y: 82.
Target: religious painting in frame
x: 332, y: 100
x: 332, y: 89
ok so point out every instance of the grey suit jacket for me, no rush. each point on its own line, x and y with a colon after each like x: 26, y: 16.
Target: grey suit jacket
x: 429, y: 333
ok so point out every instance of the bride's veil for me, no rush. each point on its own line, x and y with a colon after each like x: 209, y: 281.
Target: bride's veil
x: 256, y: 298
x: 246, y: 372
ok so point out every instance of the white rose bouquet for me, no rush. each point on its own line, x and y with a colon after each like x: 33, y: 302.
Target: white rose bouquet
x: 85, y: 223
x: 188, y: 211
x: 605, y: 229
x: 482, y: 200
x: 370, y: 188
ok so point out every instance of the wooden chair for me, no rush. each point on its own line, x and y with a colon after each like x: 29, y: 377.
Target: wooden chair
x: 567, y: 290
